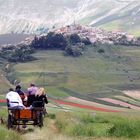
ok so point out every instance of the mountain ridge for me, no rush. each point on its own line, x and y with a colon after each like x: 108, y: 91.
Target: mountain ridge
x: 38, y: 17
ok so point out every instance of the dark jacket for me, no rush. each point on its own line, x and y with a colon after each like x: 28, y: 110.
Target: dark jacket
x: 42, y: 98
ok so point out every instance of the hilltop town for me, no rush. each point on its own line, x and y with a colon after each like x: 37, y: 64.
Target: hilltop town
x: 95, y: 35
x: 71, y: 38
x: 98, y: 35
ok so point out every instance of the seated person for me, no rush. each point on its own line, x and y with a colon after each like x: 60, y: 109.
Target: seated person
x: 21, y: 93
x: 13, y: 100
x: 40, y: 98
x: 31, y: 94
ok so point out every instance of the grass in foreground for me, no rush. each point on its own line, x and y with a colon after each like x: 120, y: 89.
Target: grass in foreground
x: 98, y: 125
x: 6, y: 134
x: 9, y: 134
x: 84, y: 126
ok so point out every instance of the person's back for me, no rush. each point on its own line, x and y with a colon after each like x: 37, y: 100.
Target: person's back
x: 20, y: 92
x: 14, y: 100
x: 31, y: 94
x: 41, y: 96
x: 32, y: 89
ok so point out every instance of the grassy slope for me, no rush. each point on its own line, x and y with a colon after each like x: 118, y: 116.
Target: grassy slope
x: 4, y: 83
x: 119, y: 25
x: 75, y: 126
x: 91, y: 75
x: 126, y: 19
x: 79, y: 125
x: 94, y: 73
x: 84, y: 75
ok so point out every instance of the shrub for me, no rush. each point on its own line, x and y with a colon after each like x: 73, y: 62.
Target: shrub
x: 50, y: 41
x: 124, y: 127
x: 18, y: 53
x: 52, y: 116
x: 75, y: 50
x: 74, y: 39
x: 21, y: 53
x: 101, y: 51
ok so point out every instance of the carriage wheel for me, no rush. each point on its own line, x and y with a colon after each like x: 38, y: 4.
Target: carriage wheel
x: 45, y: 112
x: 9, y: 122
x: 40, y: 120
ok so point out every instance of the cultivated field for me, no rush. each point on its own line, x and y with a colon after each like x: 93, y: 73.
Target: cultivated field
x: 79, y: 89
x: 92, y: 76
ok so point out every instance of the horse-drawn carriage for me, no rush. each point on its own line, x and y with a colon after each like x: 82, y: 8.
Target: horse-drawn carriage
x: 26, y: 109
x: 30, y: 116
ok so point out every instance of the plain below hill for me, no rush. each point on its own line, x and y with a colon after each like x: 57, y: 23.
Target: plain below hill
x: 12, y: 38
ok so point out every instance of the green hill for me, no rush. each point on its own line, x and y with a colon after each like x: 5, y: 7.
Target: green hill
x: 94, y: 73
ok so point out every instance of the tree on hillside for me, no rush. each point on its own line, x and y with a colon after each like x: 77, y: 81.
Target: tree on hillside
x: 21, y: 53
x: 75, y: 50
x: 6, y: 51
x: 72, y: 44
x: 35, y: 42
x: 55, y: 41
x: 86, y: 41
x: 74, y: 39
x: 51, y: 41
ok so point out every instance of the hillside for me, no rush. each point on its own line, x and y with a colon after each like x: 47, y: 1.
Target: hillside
x: 61, y: 125
x: 91, y: 76
x: 79, y: 88
x: 98, y: 72
x: 40, y: 16
x: 83, y: 54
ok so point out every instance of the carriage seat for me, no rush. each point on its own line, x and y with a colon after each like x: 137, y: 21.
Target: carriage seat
x: 38, y: 104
